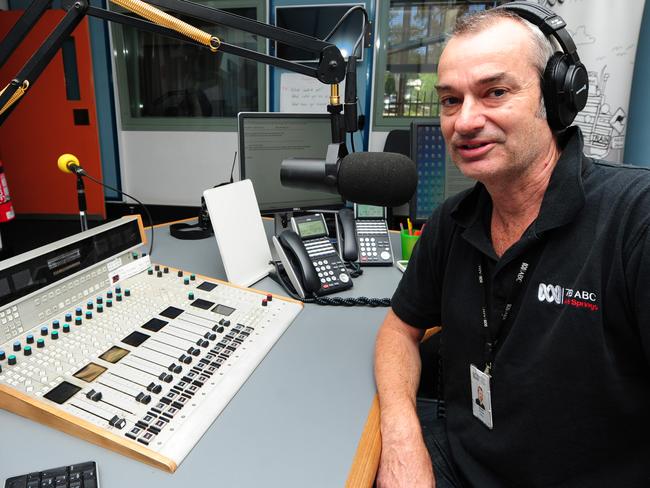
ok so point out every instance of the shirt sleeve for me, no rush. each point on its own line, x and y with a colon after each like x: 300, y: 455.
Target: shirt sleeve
x: 417, y: 300
x: 638, y: 284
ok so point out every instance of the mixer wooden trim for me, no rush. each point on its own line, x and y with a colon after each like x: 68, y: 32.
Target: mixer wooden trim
x: 17, y: 402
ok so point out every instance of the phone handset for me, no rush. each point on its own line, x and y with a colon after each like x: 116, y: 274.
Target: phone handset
x: 347, y: 235
x: 309, y: 258
x: 297, y: 263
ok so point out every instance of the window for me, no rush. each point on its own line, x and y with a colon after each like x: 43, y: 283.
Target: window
x: 165, y: 83
x: 412, y: 35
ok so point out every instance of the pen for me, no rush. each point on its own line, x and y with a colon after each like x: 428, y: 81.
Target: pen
x: 410, y: 226
x: 401, y: 227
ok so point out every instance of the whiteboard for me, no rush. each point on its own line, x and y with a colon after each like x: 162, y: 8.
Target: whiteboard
x: 303, y: 94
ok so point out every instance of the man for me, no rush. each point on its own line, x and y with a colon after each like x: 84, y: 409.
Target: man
x: 560, y: 243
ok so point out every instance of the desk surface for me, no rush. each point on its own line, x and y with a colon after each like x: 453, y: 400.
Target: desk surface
x: 296, y: 422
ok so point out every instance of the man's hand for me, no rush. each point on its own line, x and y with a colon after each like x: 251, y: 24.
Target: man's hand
x: 405, y: 465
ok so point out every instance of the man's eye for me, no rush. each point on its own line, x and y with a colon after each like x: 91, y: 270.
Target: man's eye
x: 498, y: 92
x: 449, y: 101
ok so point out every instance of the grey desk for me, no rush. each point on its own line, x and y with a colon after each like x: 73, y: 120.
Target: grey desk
x: 296, y: 422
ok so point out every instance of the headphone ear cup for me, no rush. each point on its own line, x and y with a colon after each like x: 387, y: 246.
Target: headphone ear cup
x: 553, y: 90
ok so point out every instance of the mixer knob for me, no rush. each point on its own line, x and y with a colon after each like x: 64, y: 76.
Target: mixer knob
x: 118, y: 297
x: 28, y: 350
x: 17, y: 346
x: 100, y: 300
x: 68, y: 317
x: 186, y: 281
x: 167, y: 378
x: 109, y: 303
x: 154, y: 388
x: 264, y: 302
x: 209, y: 336
x: 11, y: 360
x: 30, y: 339
x: 269, y: 297
x: 159, y: 274
x: 127, y: 292
x: 109, y: 294
x: 40, y: 342
x: 43, y: 331
x: 185, y: 359
x: 190, y: 295
x: 89, y: 315
x: 77, y: 321
x: 89, y: 305
x: 150, y: 271
x: 3, y: 355
x: 100, y: 308
x: 179, y: 273
x: 157, y: 267
x: 192, y: 277
x: 166, y: 270
x: 77, y: 312
x: 66, y: 328
x: 118, y: 290
x: 134, y: 254
x: 218, y: 328
x: 175, y: 368
x: 226, y: 323
x: 55, y: 334
x: 55, y: 324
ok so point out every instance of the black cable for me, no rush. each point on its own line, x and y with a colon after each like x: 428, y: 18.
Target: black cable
x: 342, y: 19
x: 352, y: 141
x: 133, y: 198
x: 348, y: 302
x: 232, y: 169
x: 355, y: 269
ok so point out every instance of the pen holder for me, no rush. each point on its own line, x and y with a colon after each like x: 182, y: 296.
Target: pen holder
x: 408, y: 242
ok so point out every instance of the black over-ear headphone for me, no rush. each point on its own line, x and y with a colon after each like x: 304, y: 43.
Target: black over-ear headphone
x: 566, y: 84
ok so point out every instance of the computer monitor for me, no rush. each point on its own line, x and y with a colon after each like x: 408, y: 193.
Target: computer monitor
x: 318, y: 21
x: 265, y: 140
x: 438, y: 176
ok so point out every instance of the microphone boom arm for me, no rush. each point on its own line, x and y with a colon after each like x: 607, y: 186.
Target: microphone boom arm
x: 330, y: 69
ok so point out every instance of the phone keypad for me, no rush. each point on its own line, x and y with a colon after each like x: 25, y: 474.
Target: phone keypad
x: 331, y: 271
x: 374, y: 243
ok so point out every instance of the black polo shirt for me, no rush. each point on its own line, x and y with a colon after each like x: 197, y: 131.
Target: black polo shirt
x: 571, y: 382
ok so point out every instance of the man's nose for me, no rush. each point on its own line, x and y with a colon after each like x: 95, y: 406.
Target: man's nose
x: 470, y: 117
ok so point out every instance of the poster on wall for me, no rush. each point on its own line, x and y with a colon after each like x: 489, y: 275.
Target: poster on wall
x: 302, y: 94
x: 606, y: 35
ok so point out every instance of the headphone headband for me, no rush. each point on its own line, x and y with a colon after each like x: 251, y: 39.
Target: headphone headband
x: 548, y: 22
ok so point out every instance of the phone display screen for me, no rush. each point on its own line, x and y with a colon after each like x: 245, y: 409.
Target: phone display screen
x: 311, y: 228
x: 369, y: 212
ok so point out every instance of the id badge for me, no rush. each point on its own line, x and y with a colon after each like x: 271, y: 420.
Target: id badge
x: 481, y: 395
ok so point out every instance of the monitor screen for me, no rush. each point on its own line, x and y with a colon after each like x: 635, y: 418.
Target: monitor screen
x: 317, y: 21
x: 265, y: 140
x: 438, y: 176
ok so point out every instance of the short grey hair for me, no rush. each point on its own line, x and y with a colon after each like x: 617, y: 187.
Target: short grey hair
x: 543, y: 47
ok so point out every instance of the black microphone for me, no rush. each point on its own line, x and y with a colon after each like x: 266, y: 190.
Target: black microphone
x: 371, y: 178
x: 350, y: 103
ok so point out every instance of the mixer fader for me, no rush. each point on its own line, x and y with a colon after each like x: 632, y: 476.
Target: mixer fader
x: 139, y: 358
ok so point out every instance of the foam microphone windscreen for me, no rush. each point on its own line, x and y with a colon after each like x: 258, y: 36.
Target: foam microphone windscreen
x: 377, y: 178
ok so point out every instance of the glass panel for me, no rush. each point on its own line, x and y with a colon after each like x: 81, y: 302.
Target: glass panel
x: 170, y: 78
x: 415, y: 36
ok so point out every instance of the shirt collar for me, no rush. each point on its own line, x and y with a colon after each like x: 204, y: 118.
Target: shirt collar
x: 563, y: 198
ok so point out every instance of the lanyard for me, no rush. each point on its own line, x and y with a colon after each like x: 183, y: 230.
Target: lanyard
x: 488, y: 332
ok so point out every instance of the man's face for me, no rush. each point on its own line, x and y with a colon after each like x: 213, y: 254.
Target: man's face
x: 479, y: 394
x: 489, y: 92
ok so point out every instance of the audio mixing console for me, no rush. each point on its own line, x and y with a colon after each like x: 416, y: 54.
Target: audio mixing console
x: 98, y: 343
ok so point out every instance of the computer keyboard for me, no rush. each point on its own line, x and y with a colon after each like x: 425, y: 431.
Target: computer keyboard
x: 74, y: 476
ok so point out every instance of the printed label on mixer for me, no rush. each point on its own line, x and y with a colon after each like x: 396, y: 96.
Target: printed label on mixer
x: 113, y: 265
x: 128, y: 270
